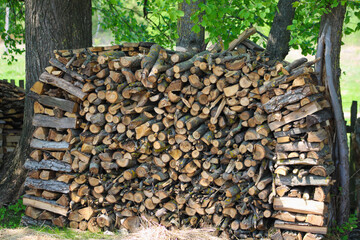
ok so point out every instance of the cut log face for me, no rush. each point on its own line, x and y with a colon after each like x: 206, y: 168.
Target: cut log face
x: 222, y: 138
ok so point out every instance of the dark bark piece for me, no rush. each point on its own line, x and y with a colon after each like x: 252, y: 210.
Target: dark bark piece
x: 40, y: 120
x: 318, y: 117
x: 182, y: 56
x: 244, y: 35
x: 309, y: 180
x: 49, y: 185
x: 63, y: 84
x: 278, y: 102
x: 49, y: 145
x: 28, y: 221
x: 187, y: 38
x: 149, y: 60
x: 298, y: 131
x: 275, y: 82
x: 302, y: 227
x: 54, y: 165
x: 62, y: 67
x: 63, y: 104
x: 279, y: 37
x: 332, y: 69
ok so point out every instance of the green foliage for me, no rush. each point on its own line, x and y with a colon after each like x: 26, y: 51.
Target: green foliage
x: 306, y: 23
x: 229, y: 18
x: 10, y: 216
x: 156, y: 20
x: 141, y: 21
x: 15, y: 35
x: 342, y: 231
x: 226, y: 19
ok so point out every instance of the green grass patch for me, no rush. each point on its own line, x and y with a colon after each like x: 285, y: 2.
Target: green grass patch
x: 10, y: 216
x: 350, y: 81
x: 16, y: 70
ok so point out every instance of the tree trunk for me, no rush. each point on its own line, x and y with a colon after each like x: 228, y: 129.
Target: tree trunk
x: 187, y: 38
x: 279, y: 37
x: 49, y: 25
x: 329, y: 46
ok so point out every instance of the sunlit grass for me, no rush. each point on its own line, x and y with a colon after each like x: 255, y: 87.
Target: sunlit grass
x: 16, y: 70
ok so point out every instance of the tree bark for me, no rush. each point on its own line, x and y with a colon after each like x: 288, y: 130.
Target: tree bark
x: 187, y: 38
x: 329, y: 46
x: 279, y: 37
x: 49, y: 25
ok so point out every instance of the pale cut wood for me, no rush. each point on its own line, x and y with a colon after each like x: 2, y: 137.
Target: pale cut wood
x: 299, y: 205
x: 297, y: 161
x: 86, y: 212
x: 301, y: 113
x: 48, y: 205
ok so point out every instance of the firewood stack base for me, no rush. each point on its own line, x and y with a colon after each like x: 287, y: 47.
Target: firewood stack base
x: 181, y: 138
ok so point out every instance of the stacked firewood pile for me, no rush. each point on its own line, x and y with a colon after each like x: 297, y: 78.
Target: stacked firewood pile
x: 11, y: 117
x: 181, y: 138
x: 298, y: 116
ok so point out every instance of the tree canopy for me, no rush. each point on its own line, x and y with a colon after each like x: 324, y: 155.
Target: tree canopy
x: 156, y: 20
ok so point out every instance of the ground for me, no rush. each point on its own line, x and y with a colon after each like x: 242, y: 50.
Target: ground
x: 25, y: 234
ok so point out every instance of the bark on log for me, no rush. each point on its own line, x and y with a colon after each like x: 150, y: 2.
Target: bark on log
x: 50, y: 185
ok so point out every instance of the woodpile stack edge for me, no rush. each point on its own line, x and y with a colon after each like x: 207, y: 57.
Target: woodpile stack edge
x: 227, y: 139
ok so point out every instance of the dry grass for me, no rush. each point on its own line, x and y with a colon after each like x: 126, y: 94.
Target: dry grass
x: 24, y: 234
x: 147, y: 231
x: 151, y: 231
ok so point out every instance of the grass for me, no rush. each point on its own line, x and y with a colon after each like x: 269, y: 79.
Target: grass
x: 10, y: 216
x: 52, y: 233
x: 68, y: 233
x: 350, y: 66
x: 15, y: 70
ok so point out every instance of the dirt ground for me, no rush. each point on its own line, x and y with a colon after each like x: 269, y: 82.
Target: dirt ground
x: 24, y: 234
